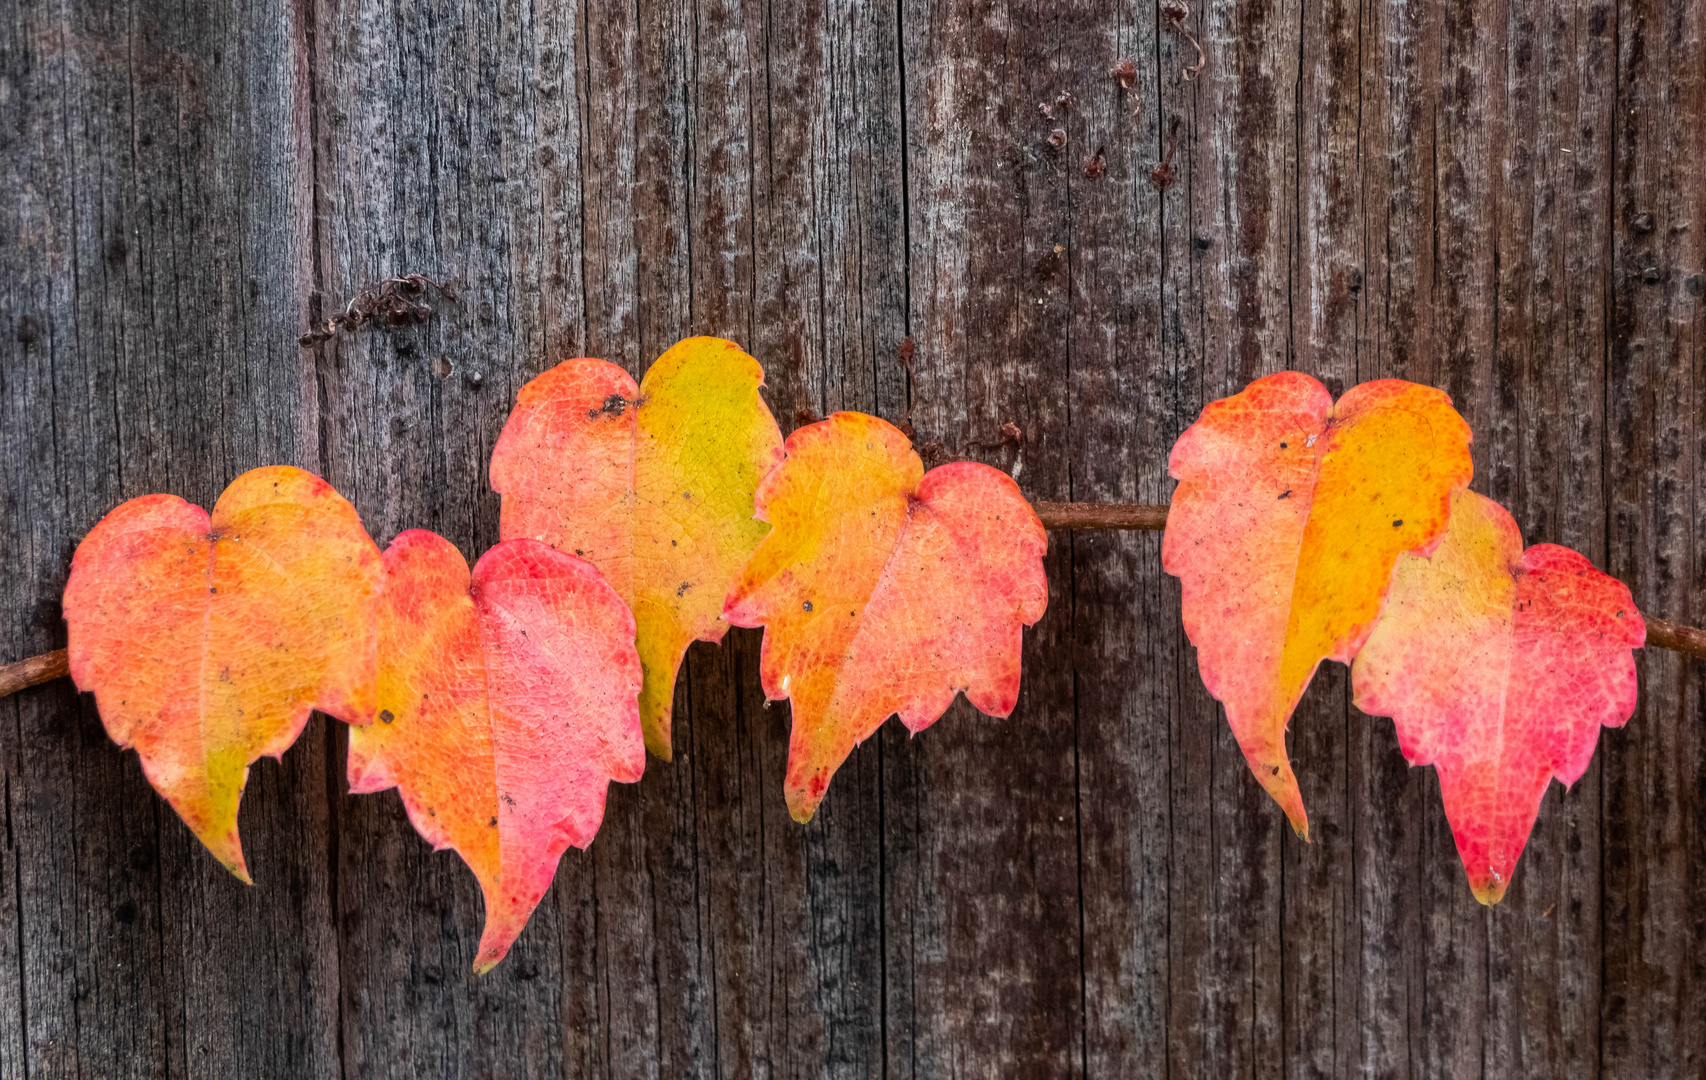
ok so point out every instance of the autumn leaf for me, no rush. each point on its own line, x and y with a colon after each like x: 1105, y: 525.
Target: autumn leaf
x: 883, y: 589
x: 1499, y: 665
x: 653, y: 484
x: 1289, y: 516
x: 207, y: 641
x: 506, y: 705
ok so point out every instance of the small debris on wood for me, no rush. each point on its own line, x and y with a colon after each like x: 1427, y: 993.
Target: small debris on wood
x: 1065, y: 100
x: 1057, y: 138
x: 1643, y: 223
x: 934, y: 453
x: 1176, y: 12
x: 395, y: 301
x: 802, y: 417
x: 1125, y: 73
x: 1048, y: 113
x: 1011, y: 435
x: 1162, y: 175
x: 442, y: 367
x: 907, y: 348
x: 1095, y: 165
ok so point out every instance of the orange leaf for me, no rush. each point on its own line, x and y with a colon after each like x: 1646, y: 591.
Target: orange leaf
x: 1289, y: 516
x: 882, y: 590
x: 506, y: 705
x: 1499, y: 666
x: 652, y: 483
x: 207, y: 641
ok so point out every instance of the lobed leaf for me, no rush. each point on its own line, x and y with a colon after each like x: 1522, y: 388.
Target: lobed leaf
x: 653, y: 484
x: 506, y: 705
x: 883, y: 589
x: 207, y: 640
x: 1499, y: 665
x: 1289, y: 517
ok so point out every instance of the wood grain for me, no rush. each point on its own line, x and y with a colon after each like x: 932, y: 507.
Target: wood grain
x: 1504, y: 199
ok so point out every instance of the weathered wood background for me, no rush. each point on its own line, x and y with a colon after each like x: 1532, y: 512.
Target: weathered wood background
x: 1504, y: 198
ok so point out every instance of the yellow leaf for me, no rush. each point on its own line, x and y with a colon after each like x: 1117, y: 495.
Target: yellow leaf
x: 1289, y: 517
x: 652, y: 484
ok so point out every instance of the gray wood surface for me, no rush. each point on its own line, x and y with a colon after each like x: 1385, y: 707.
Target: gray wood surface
x: 1506, y: 199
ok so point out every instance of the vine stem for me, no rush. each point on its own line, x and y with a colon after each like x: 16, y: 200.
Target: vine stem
x: 1661, y: 633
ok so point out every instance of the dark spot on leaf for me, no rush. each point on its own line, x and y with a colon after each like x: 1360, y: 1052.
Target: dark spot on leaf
x: 807, y: 605
x: 685, y: 585
x: 492, y: 823
x: 1276, y: 770
x: 1397, y: 523
x: 1286, y: 494
x: 385, y: 716
x: 613, y: 406
x: 1282, y: 446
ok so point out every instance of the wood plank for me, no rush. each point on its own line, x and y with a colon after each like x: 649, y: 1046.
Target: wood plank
x: 1543, y: 457
x: 1125, y: 639
x: 155, y: 256
x: 450, y: 143
x: 795, y: 196
x: 1228, y: 230
x: 654, y: 958
x: 1653, y: 804
x: 984, y: 939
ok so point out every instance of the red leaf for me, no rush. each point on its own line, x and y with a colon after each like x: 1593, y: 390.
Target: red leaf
x: 506, y: 705
x: 1499, y: 666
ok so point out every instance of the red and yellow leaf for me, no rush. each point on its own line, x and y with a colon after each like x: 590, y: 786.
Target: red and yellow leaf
x: 506, y: 705
x: 208, y: 640
x: 1290, y: 514
x: 883, y: 589
x: 653, y: 484
x: 1499, y: 665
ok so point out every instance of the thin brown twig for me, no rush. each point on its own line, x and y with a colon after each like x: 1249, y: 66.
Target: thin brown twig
x: 1101, y: 516
x: 1661, y: 633
x: 33, y: 672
